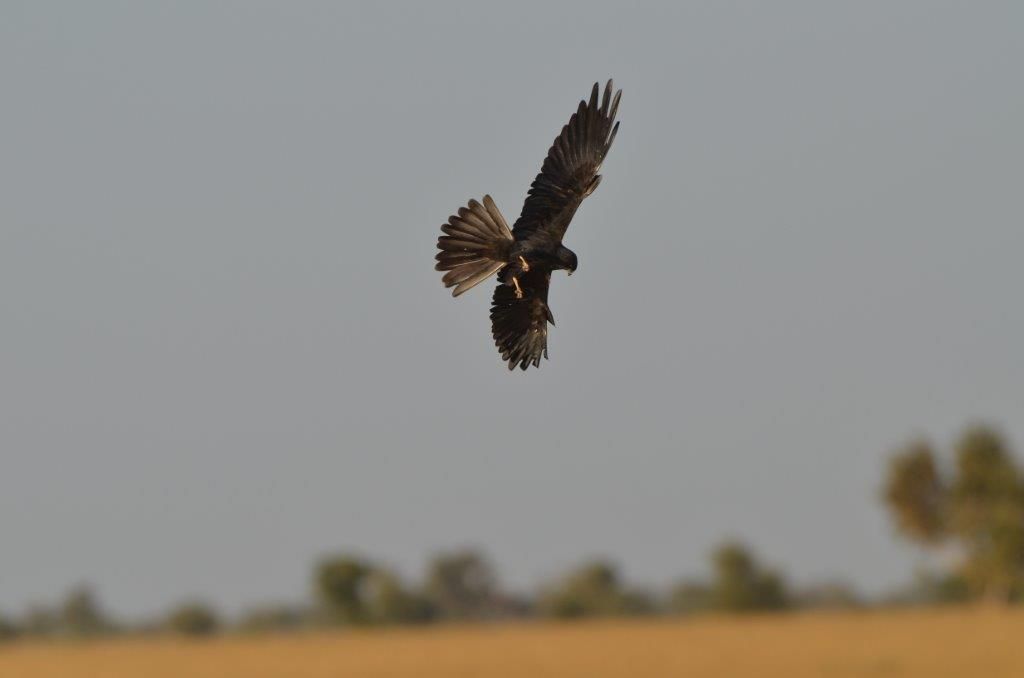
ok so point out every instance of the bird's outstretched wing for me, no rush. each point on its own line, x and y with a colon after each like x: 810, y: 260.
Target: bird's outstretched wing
x: 520, y: 326
x: 569, y: 173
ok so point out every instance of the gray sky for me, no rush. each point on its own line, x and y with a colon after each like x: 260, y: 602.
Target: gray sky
x: 225, y: 350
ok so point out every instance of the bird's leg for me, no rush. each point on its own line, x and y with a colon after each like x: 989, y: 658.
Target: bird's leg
x: 519, y: 290
x: 526, y: 266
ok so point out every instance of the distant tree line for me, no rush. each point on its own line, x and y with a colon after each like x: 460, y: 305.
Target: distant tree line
x: 969, y: 509
x: 460, y: 586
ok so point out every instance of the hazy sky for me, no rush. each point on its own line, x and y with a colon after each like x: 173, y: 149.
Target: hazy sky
x: 225, y: 351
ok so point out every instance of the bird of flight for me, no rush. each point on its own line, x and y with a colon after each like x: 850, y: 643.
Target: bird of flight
x: 478, y: 243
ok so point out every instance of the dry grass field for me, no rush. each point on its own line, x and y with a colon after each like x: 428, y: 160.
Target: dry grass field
x: 925, y: 644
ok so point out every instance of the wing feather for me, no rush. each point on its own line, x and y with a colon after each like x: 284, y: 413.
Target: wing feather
x: 520, y: 326
x: 569, y: 172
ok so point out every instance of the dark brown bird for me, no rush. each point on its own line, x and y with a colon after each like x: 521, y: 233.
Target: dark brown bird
x: 478, y: 243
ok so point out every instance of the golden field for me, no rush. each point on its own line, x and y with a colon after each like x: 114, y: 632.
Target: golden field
x: 982, y: 643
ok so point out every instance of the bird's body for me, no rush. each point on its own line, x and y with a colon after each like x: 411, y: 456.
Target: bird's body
x: 478, y: 242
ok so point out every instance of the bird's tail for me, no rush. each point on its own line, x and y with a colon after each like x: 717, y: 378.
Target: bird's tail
x: 476, y: 245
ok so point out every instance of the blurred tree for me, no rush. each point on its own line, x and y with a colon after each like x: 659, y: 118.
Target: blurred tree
x: 916, y: 494
x: 740, y: 584
x: 340, y: 583
x: 593, y: 589
x: 193, y: 619
x: 980, y: 510
x: 81, y: 615
x: 988, y: 514
x: 389, y: 602
x: 462, y: 585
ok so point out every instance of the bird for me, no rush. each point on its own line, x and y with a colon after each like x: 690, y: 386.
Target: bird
x: 477, y: 242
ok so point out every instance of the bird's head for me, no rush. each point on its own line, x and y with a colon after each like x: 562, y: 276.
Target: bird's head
x: 567, y: 259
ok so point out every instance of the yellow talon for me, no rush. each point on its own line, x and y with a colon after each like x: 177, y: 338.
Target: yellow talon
x: 526, y: 266
x: 519, y: 290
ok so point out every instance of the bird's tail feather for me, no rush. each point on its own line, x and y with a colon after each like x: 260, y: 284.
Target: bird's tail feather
x: 476, y: 245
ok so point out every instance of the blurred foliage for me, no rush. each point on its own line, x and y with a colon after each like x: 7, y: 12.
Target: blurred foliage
x: 979, y: 509
x: 462, y: 585
x: 354, y: 591
x: 593, y: 589
x: 340, y: 586
x: 915, y: 493
x: 81, y: 615
x: 987, y: 506
x: 388, y: 601
x: 741, y: 584
x: 193, y: 619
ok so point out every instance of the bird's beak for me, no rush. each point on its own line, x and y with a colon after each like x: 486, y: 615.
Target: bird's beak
x: 569, y: 271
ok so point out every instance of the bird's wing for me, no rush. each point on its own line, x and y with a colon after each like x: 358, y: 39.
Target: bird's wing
x: 520, y: 326
x: 569, y: 173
